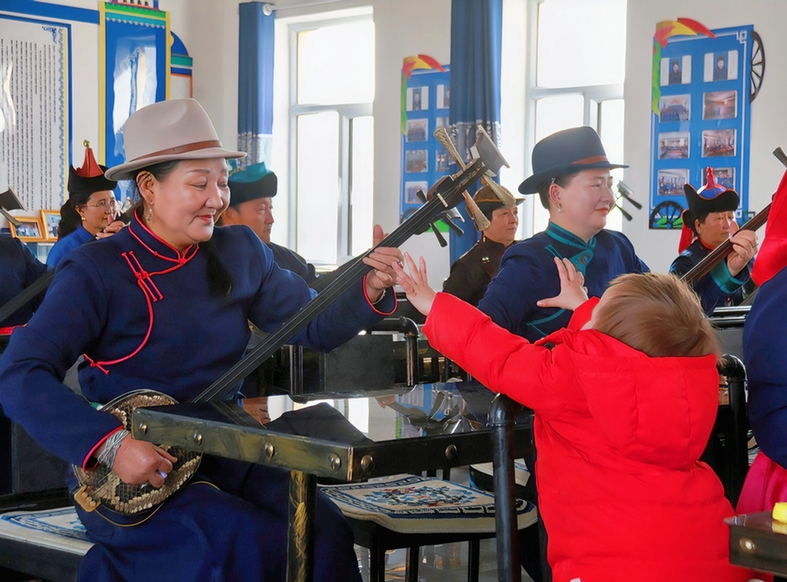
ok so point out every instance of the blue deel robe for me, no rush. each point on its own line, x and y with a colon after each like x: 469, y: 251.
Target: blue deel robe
x: 18, y: 270
x: 230, y: 523
x: 765, y: 358
x: 528, y: 273
x: 292, y: 261
x: 67, y: 244
x: 718, y: 288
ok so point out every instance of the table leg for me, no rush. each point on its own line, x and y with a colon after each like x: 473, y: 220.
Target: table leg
x: 501, y: 420
x: 300, y: 545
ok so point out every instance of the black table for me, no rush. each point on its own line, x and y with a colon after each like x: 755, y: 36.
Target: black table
x: 428, y: 428
x: 758, y: 542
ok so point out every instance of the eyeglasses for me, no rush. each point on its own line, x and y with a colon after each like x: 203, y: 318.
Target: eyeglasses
x: 104, y: 204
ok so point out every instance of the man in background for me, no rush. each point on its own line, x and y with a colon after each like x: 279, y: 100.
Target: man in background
x: 251, y: 203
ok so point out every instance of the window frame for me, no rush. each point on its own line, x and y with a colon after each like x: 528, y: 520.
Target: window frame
x: 346, y: 112
x: 593, y: 96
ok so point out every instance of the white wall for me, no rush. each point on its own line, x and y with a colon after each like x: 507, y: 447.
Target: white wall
x: 769, y: 124
x: 208, y: 28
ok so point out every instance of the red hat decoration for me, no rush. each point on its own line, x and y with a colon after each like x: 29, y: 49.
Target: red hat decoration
x: 772, y: 256
x: 90, y: 177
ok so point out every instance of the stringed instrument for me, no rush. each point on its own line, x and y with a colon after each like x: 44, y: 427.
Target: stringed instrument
x: 720, y: 252
x: 714, y: 257
x: 102, y: 486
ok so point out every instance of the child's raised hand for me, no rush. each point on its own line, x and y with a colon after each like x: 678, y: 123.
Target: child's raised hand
x: 572, y: 290
x: 416, y: 284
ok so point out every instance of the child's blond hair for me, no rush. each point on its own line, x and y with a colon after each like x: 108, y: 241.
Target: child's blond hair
x: 656, y: 314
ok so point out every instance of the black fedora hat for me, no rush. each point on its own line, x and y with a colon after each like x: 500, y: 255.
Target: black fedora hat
x: 566, y: 152
x: 253, y: 182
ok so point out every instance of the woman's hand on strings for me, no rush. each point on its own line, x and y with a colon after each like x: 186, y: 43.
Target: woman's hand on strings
x: 416, y: 284
x: 139, y: 462
x: 573, y: 292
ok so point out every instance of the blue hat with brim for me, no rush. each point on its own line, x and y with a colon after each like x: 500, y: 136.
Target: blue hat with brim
x: 253, y: 182
x: 566, y: 152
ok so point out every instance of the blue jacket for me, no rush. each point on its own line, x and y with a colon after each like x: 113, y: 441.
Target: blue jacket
x: 292, y: 261
x: 718, y: 288
x: 528, y: 273
x: 765, y: 358
x: 18, y: 270
x: 67, y: 244
x: 148, y: 320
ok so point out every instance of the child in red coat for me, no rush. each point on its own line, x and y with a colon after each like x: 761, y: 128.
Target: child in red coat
x: 625, y: 399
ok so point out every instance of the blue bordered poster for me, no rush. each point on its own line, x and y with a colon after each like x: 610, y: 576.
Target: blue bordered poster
x: 426, y: 95
x: 702, y: 91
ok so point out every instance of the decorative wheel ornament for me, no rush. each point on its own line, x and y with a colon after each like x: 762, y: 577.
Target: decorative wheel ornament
x: 757, y: 65
x: 666, y: 215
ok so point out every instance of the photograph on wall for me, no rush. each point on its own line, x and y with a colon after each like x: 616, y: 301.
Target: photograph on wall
x: 719, y: 105
x: 29, y: 229
x: 721, y: 66
x: 417, y: 98
x: 443, y: 96
x: 417, y: 130
x: 675, y: 108
x: 718, y: 143
x: 51, y: 221
x: 441, y: 161
x: 416, y: 161
x: 441, y: 122
x: 725, y: 177
x: 673, y: 145
x: 411, y: 191
x: 671, y: 182
x: 676, y: 71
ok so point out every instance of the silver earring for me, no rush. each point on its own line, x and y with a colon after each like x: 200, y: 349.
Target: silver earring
x: 559, y: 208
x: 149, y: 214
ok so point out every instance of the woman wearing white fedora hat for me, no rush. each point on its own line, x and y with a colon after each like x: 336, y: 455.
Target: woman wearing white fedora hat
x: 160, y: 306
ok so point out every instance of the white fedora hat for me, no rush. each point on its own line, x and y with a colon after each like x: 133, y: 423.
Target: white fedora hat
x: 178, y: 129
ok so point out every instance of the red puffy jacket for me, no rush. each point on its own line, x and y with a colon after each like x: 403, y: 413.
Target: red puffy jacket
x: 622, y: 492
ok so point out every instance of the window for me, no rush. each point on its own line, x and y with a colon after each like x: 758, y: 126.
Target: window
x: 332, y: 133
x: 576, y: 72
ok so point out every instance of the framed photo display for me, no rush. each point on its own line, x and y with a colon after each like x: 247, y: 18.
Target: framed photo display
x: 51, y: 221
x: 426, y: 95
x: 703, y: 86
x: 30, y: 229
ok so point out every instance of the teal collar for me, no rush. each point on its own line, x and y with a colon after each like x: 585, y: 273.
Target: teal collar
x: 581, y: 259
x: 560, y: 234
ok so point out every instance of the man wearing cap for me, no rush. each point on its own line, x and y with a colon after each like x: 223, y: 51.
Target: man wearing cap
x: 472, y: 272
x: 90, y: 210
x: 251, y: 203
x: 571, y: 176
x: 710, y: 220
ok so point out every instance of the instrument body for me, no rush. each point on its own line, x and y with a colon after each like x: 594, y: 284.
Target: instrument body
x: 102, y: 486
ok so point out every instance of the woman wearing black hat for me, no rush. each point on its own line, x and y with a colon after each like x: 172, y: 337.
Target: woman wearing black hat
x: 89, y: 212
x: 472, y: 272
x: 710, y: 220
x: 571, y: 176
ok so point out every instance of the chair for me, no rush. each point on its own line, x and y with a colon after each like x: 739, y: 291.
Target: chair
x: 40, y: 536
x: 409, y: 511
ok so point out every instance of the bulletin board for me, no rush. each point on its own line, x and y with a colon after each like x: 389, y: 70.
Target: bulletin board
x: 703, y: 86
x: 35, y: 108
x: 426, y: 98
